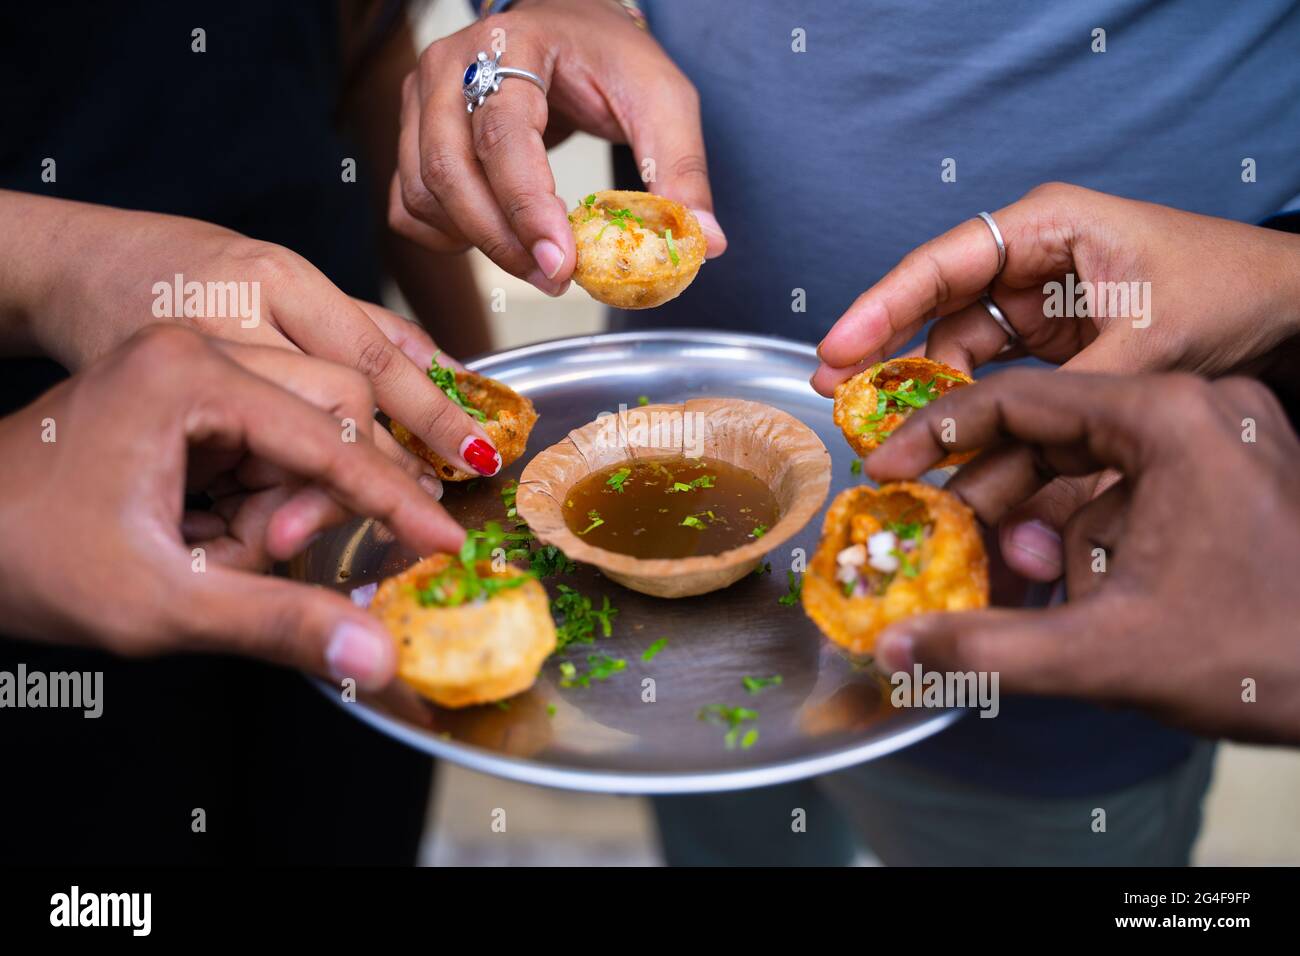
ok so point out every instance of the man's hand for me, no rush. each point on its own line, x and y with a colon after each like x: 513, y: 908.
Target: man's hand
x: 483, y: 179
x: 95, y: 547
x: 1221, y: 293
x: 1197, y: 294
x: 1180, y: 576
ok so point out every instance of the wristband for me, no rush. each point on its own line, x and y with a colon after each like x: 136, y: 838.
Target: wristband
x: 631, y: 7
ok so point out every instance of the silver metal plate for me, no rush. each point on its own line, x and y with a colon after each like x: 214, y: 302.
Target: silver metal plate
x: 828, y: 712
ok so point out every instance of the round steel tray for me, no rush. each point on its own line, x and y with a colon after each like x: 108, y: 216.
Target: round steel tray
x: 827, y: 713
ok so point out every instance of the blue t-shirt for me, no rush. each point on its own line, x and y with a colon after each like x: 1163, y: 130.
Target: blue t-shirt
x: 826, y: 169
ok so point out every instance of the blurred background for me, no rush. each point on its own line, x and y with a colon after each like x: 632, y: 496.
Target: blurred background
x: 1250, y: 816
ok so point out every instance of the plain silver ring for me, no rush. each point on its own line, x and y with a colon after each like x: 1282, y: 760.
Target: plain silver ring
x: 1000, y: 318
x: 997, y: 237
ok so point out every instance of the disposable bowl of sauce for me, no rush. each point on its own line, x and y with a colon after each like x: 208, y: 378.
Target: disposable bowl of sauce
x: 677, y: 500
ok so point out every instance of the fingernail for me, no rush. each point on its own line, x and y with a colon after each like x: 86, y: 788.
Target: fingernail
x: 431, y: 484
x: 712, y: 231
x: 1040, y: 542
x: 549, y: 256
x: 358, y: 653
x: 481, y: 456
x: 895, y: 652
x: 545, y: 285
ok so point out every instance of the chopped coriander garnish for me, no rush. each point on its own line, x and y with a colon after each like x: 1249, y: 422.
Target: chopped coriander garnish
x: 950, y: 378
x: 759, y: 531
x: 672, y: 247
x: 603, y: 667
x: 503, y: 705
x: 755, y: 684
x: 735, y: 720
x: 704, y: 481
x: 906, y: 565
x: 690, y: 521
x: 456, y: 586
x: 579, y: 619
x: 913, y: 393
x: 791, y: 598
x: 445, y: 379
x: 508, y: 494
x: 548, y: 560
x: 856, y: 466
x: 616, y: 480
x: 764, y: 568
x: 643, y: 399
x: 550, y: 710
x: 654, y: 649
x: 596, y: 521
x: 461, y: 583
x: 907, y: 530
x: 618, y: 217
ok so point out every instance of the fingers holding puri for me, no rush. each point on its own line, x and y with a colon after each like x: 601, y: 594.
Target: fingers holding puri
x: 665, y: 130
x: 309, y: 444
x: 1058, y: 650
x: 507, y: 133
x: 949, y: 273
x: 940, y: 276
x: 449, y: 173
x: 294, y: 625
x: 323, y: 321
x: 1073, y: 424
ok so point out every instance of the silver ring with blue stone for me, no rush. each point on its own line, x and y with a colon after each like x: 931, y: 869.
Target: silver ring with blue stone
x: 483, y: 78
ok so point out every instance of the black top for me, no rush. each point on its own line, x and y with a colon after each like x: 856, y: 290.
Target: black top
x: 242, y: 135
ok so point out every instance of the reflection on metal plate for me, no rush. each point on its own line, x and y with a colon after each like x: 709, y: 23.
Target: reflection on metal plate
x: 827, y: 713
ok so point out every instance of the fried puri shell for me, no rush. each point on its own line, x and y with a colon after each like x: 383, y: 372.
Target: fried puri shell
x: 510, y: 417
x: 474, y: 653
x: 953, y: 566
x: 632, y: 267
x: 856, y: 401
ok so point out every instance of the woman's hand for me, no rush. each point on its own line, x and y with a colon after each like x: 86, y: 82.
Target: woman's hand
x: 1197, y: 294
x: 77, y: 280
x: 95, y: 547
x: 1180, y: 576
x: 483, y: 179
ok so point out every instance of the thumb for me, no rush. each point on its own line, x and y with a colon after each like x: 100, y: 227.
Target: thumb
x: 668, y: 142
x: 1030, y: 534
x: 1032, y: 651
x: 296, y: 625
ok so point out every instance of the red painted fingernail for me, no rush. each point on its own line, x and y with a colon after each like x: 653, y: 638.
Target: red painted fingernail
x: 481, y: 456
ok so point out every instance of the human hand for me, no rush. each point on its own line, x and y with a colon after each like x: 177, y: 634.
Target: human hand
x: 1218, y: 294
x: 484, y: 180
x: 93, y: 539
x: 89, y: 277
x: 1179, y: 575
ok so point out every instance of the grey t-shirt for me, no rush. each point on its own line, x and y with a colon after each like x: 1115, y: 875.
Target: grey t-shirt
x: 826, y: 165
x: 826, y: 169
